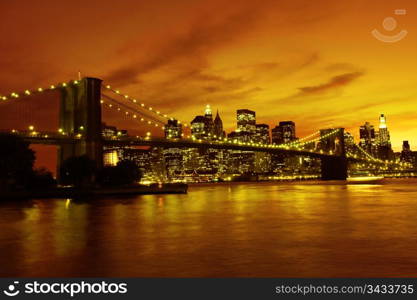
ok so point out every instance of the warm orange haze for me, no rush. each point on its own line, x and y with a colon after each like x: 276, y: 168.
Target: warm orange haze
x: 223, y: 140
x: 315, y: 63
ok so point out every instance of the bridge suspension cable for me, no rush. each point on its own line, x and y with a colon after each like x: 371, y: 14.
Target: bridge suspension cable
x: 133, y: 115
x: 299, y: 141
x: 142, y: 105
x: 122, y: 106
x: 25, y: 93
x: 372, y: 159
x: 303, y: 142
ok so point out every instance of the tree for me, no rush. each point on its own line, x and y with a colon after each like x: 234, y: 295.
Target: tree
x: 42, y: 179
x: 77, y: 170
x: 16, y: 162
x: 129, y: 172
x: 124, y: 173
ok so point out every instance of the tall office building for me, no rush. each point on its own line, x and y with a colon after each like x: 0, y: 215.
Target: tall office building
x: 406, y: 154
x: 284, y: 133
x: 246, y: 126
x: 383, y: 135
x: 261, y: 134
x: 198, y: 127
x: 203, y: 126
x: 218, y: 126
x: 242, y: 162
x: 246, y: 121
x: 201, y: 163
x: 209, y: 126
x: 367, y: 137
x: 112, y: 154
x: 173, y: 129
x: 384, y: 142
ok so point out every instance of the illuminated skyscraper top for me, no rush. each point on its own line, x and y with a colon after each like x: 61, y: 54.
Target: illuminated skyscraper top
x: 208, y: 112
x: 382, y: 121
x: 384, y: 138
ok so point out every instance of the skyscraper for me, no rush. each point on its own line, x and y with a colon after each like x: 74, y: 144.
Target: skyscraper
x: 384, y: 137
x: 209, y: 126
x: 203, y: 126
x: 218, y: 126
x: 173, y: 129
x: 173, y: 157
x: 261, y: 134
x: 284, y: 133
x: 198, y: 127
x: 406, y: 154
x: 367, y: 137
x: 384, y: 142
x: 246, y: 126
x: 246, y: 121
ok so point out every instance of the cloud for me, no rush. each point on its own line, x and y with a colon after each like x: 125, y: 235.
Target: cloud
x: 193, y: 45
x: 334, y: 82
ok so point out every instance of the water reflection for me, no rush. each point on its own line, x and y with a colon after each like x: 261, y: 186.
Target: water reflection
x: 218, y: 230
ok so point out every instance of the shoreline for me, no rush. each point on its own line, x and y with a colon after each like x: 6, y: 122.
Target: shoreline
x: 71, y: 192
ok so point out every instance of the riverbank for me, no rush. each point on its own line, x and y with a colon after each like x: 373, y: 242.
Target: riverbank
x: 71, y: 192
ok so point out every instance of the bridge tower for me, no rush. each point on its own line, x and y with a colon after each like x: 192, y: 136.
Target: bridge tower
x: 80, y: 113
x: 334, y: 167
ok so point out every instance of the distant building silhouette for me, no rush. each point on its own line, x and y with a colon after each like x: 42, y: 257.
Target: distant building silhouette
x: 367, y: 137
x: 218, y: 126
x: 384, y: 141
x: 262, y: 134
x: 284, y: 133
x: 173, y: 129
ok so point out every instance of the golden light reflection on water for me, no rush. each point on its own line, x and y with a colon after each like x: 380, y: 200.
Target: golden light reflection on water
x: 266, y: 229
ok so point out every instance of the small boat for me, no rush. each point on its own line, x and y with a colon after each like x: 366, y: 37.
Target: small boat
x: 365, y: 179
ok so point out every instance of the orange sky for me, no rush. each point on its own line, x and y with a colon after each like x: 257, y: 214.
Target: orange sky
x: 313, y: 62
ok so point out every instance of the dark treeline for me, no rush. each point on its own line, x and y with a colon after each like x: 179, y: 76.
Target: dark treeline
x: 17, y: 170
x: 17, y: 166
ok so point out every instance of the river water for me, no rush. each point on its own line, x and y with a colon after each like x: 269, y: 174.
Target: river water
x: 224, y: 230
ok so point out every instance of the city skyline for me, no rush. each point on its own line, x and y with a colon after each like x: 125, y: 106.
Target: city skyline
x: 258, y: 56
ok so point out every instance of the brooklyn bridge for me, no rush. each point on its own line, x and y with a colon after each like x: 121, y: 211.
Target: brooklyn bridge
x: 80, y: 131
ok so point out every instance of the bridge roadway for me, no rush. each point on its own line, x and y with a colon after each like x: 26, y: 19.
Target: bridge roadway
x: 57, y: 138
x: 216, y: 144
